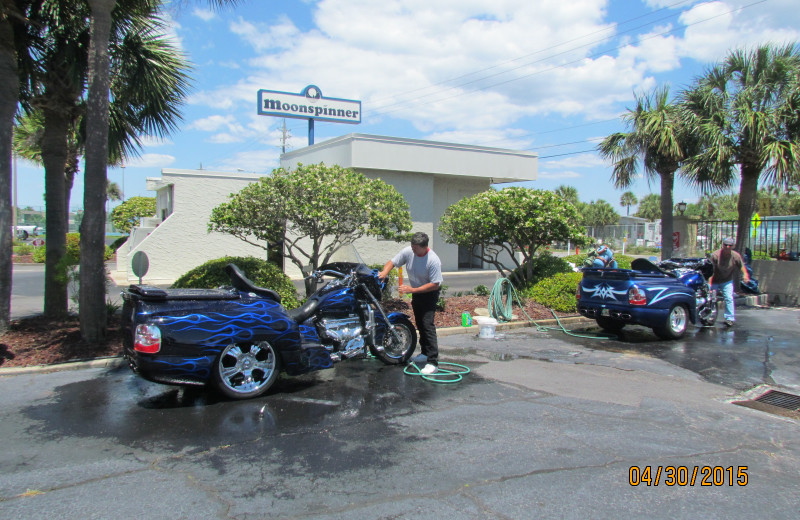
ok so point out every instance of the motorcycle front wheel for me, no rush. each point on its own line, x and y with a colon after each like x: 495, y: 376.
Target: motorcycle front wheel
x: 394, y: 352
x: 708, y: 319
x: 246, y: 370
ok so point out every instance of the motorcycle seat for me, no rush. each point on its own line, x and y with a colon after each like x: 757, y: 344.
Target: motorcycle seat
x: 303, y: 312
x: 241, y: 282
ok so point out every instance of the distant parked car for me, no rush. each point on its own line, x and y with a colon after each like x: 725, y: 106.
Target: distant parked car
x: 23, y: 232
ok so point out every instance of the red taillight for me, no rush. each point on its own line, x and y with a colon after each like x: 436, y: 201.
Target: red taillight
x: 636, y: 296
x: 147, y: 339
x: 578, y: 292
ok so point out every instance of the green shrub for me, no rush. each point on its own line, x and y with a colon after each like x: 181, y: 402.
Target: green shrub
x: 22, y: 249
x: 73, y: 254
x: 557, y: 292
x: 262, y: 273
x: 481, y: 290
x: 540, y: 267
x: 117, y: 243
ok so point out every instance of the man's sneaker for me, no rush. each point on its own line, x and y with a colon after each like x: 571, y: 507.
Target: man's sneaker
x: 429, y: 369
x: 420, y: 359
x: 729, y: 323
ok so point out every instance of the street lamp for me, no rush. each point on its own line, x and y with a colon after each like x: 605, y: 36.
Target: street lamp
x: 681, y: 207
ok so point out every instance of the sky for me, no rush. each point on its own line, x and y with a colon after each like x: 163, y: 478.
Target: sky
x: 549, y: 77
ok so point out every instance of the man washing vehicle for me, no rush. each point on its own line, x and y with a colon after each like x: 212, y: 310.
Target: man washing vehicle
x: 424, y: 271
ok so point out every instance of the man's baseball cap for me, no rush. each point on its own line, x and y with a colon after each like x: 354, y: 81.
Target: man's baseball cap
x: 729, y: 241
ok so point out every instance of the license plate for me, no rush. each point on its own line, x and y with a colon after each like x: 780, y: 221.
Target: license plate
x: 604, y: 312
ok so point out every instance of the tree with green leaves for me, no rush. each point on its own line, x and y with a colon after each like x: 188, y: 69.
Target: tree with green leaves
x: 127, y: 215
x: 509, y: 221
x: 149, y: 84
x: 568, y: 193
x: 649, y: 207
x: 627, y: 200
x: 313, y: 210
x: 745, y: 112
x: 598, y: 214
x: 92, y: 302
x: 658, y: 141
x: 14, y: 73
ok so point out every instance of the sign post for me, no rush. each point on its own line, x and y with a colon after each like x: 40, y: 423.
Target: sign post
x: 309, y: 104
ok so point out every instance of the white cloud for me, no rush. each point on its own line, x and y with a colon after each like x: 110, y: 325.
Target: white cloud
x: 204, y: 14
x: 549, y: 174
x: 151, y: 160
x: 473, y: 71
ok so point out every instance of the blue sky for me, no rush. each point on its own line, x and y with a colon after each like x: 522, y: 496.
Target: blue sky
x: 549, y: 77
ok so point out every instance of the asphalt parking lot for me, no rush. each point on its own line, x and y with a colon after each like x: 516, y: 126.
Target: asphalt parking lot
x: 547, y: 425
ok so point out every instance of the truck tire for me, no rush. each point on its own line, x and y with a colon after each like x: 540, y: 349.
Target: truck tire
x: 610, y: 325
x: 246, y: 370
x: 676, y: 323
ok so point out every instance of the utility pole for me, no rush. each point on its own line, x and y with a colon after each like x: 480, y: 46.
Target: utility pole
x: 284, y: 137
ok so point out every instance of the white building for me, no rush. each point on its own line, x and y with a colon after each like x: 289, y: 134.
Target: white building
x: 430, y: 175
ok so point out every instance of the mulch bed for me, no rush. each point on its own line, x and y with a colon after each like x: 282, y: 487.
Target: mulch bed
x: 44, y: 341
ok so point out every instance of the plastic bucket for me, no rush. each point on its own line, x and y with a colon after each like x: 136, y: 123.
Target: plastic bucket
x: 487, y: 326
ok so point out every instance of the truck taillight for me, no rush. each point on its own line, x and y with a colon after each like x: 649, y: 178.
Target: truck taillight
x: 147, y: 339
x: 636, y: 296
x: 578, y: 292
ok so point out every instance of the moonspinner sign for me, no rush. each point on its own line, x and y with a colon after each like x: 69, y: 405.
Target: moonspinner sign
x: 309, y: 104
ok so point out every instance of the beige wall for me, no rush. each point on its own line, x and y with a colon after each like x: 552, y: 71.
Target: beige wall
x: 779, y: 279
x: 182, y: 242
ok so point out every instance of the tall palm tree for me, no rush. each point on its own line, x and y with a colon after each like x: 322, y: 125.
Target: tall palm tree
x: 568, y: 193
x: 13, y: 78
x: 657, y: 140
x: 149, y: 83
x: 92, y: 274
x: 649, y: 207
x: 627, y: 200
x: 745, y: 110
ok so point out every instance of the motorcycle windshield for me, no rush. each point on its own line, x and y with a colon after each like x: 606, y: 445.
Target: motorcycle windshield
x: 346, y: 259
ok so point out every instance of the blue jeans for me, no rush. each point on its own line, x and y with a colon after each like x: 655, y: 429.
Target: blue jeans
x: 726, y: 288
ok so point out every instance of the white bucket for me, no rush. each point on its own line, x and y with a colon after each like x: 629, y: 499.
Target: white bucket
x: 487, y: 326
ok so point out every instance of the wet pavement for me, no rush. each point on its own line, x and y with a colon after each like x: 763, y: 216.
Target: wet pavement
x: 547, y: 425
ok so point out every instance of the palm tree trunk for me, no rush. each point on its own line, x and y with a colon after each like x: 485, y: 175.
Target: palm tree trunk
x: 9, y: 93
x: 748, y: 200
x: 667, y: 183
x: 54, y: 157
x: 92, y: 277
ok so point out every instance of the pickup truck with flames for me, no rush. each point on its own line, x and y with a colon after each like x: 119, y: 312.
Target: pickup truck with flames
x: 664, y: 297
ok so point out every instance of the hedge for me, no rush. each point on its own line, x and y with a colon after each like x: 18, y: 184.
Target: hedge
x: 262, y: 273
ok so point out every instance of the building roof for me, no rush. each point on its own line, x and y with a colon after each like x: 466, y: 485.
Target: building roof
x: 375, y: 152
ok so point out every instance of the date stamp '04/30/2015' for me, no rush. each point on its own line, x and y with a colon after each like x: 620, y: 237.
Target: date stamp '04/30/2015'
x: 688, y: 475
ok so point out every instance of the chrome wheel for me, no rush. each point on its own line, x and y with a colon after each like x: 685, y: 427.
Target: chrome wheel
x: 246, y: 370
x: 397, y: 348
x: 676, y: 323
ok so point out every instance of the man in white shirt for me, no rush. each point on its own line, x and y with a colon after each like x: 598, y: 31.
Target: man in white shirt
x: 424, y: 271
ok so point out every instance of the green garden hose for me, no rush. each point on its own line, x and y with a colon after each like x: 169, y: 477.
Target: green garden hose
x: 500, y: 302
x: 442, y: 376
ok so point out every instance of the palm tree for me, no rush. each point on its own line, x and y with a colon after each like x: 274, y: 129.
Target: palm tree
x: 149, y: 84
x: 599, y: 214
x: 745, y: 110
x: 14, y: 64
x: 659, y: 141
x: 92, y: 301
x: 649, y: 207
x: 568, y: 193
x: 627, y: 200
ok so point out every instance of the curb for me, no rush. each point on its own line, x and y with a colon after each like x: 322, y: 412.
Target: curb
x: 103, y: 362
x: 118, y: 361
x: 475, y: 329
